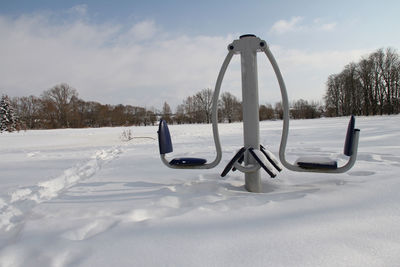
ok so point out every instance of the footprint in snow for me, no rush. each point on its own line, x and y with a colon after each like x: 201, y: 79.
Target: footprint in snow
x: 13, y: 211
x: 89, y: 230
x: 361, y: 173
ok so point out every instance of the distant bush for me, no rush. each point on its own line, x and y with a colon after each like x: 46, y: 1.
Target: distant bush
x: 126, y: 135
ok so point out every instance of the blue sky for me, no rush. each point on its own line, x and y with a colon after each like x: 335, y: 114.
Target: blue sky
x: 147, y: 52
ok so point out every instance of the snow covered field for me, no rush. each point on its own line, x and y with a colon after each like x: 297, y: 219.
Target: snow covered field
x: 82, y: 197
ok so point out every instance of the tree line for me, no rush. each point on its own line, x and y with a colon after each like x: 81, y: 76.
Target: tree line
x: 60, y: 107
x: 197, y: 109
x: 368, y: 87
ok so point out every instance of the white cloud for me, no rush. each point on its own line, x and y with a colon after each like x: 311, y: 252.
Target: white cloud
x: 317, y: 59
x: 142, y: 64
x: 284, y: 26
x: 297, y: 24
x: 143, y: 30
x: 139, y: 66
x: 80, y: 10
x: 328, y: 26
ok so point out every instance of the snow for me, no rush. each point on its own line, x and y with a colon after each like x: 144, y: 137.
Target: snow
x: 84, y: 198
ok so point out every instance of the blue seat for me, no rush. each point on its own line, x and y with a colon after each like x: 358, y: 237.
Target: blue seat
x: 188, y: 161
x: 164, y: 138
x: 327, y: 163
x: 348, y: 144
x: 165, y: 146
x: 316, y: 163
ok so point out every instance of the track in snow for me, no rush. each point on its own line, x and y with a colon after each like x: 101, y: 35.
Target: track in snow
x: 14, y: 210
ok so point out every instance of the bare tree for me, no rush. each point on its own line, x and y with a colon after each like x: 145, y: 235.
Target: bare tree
x: 180, y: 116
x: 332, y: 96
x: 379, y: 90
x: 301, y: 109
x: 60, y: 97
x: 364, y: 71
x: 279, y: 110
x: 28, y: 110
x: 204, y: 100
x: 166, y: 112
x: 190, y: 110
x: 231, y: 108
x: 77, y: 115
x: 370, y: 86
x: 266, y: 112
x: 390, y: 65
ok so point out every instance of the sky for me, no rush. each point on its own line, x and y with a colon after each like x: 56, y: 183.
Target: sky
x: 144, y: 53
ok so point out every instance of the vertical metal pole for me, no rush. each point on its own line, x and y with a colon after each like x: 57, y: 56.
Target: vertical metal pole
x: 251, y: 127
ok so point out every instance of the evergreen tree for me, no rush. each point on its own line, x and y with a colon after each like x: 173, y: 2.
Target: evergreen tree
x: 8, y: 119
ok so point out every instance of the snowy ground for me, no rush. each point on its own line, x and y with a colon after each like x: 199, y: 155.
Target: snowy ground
x: 84, y: 198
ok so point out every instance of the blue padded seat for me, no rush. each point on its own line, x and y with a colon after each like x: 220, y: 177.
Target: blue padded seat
x: 327, y: 163
x: 188, y: 161
x: 164, y: 138
x: 316, y: 163
x: 165, y: 146
x: 348, y: 144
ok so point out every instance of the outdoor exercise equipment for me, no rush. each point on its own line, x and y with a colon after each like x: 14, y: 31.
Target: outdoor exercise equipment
x: 253, y: 156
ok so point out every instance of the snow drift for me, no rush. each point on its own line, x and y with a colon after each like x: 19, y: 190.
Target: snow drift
x: 84, y: 198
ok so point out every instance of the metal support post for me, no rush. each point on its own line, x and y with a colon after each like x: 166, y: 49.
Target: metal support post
x: 248, y: 46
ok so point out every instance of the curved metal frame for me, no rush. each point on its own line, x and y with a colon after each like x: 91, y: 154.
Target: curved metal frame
x: 214, y: 120
x: 285, y: 131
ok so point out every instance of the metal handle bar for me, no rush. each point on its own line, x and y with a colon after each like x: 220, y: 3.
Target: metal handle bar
x: 285, y: 131
x: 214, y: 120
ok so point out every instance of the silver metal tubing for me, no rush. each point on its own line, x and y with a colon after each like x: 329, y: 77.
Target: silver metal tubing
x: 285, y: 130
x: 248, y: 168
x: 214, y: 119
x: 248, y: 46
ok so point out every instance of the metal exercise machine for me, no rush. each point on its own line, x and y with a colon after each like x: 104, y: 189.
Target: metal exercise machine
x: 253, y: 156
